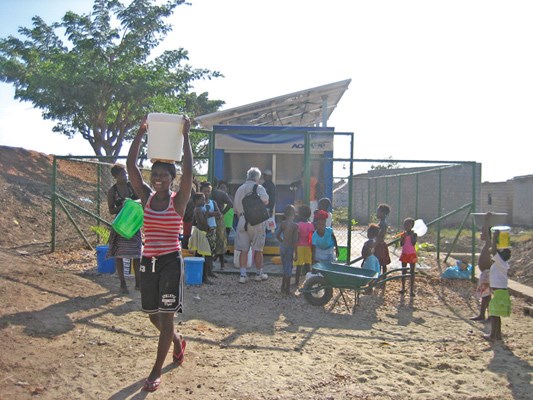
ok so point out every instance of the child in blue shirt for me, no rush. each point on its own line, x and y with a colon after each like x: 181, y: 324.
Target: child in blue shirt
x: 324, y: 243
x: 370, y: 261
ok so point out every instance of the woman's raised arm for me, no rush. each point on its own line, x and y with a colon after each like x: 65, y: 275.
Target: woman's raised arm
x: 134, y: 172
x: 184, y: 193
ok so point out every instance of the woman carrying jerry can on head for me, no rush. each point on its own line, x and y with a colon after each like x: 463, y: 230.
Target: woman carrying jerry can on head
x: 162, y: 270
x: 500, y: 304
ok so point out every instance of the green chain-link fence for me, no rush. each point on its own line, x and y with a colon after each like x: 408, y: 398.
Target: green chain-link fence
x: 79, y: 201
x: 441, y: 193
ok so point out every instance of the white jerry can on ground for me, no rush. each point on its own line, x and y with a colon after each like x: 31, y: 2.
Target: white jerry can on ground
x: 236, y: 254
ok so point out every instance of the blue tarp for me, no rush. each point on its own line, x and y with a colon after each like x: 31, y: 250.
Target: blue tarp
x: 455, y: 272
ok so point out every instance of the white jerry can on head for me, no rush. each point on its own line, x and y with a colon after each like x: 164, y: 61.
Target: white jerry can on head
x: 165, y: 137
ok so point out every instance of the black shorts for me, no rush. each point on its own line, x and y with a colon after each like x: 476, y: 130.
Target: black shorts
x: 162, y: 283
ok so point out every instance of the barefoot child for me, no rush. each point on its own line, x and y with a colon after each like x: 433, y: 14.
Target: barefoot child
x: 304, y: 252
x: 381, y: 250
x: 287, y: 235
x: 484, y: 263
x: 408, y: 256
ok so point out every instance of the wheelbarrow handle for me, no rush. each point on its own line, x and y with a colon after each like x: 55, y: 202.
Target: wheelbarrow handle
x: 394, y: 270
x: 380, y: 281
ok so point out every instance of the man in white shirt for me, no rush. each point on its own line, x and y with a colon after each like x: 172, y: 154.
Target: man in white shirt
x: 247, y: 235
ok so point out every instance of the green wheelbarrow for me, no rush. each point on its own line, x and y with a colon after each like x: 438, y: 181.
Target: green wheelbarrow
x: 318, y: 289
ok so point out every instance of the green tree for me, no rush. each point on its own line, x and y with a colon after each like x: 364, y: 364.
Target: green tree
x: 102, y: 81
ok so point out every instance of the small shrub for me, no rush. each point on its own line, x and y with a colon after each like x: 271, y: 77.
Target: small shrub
x: 340, y: 217
x: 102, y: 232
x: 425, y: 246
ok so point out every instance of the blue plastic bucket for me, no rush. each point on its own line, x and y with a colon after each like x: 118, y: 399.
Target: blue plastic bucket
x: 104, y: 266
x: 194, y: 268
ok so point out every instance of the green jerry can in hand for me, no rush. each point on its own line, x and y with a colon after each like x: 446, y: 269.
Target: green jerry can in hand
x: 129, y: 220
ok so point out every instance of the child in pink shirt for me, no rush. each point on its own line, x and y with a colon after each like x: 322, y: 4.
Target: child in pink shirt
x: 408, y: 256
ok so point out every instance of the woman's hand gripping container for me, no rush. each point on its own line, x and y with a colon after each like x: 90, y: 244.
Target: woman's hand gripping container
x: 129, y: 220
x: 165, y: 137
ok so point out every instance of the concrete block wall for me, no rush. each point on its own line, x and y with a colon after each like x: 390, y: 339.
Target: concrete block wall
x: 340, y: 196
x: 414, y: 192
x: 522, y: 201
x: 497, y: 197
x: 514, y: 197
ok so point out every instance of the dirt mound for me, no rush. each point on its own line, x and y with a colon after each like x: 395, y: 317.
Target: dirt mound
x: 25, y: 194
x: 522, y: 262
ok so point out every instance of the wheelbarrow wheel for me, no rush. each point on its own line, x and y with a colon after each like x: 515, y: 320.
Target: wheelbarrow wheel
x: 316, y: 292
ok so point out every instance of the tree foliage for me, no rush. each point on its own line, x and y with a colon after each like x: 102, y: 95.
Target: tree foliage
x: 97, y: 77
x: 386, y: 165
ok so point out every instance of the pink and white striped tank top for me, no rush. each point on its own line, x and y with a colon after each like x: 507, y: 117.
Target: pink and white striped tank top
x: 161, y: 229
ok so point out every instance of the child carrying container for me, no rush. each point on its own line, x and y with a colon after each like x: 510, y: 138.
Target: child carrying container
x: 408, y: 256
x: 484, y: 262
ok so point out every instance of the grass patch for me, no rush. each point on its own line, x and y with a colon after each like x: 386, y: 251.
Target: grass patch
x: 102, y: 232
x: 522, y: 236
x: 340, y: 217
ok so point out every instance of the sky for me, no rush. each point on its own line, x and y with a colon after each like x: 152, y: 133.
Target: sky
x: 431, y: 80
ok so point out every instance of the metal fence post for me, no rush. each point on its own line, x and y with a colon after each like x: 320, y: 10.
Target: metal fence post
x: 54, y: 199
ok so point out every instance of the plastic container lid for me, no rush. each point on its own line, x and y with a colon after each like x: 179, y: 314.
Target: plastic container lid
x: 193, y: 259
x: 500, y: 228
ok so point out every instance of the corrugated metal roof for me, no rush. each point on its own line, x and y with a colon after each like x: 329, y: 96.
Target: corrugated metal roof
x: 303, y: 108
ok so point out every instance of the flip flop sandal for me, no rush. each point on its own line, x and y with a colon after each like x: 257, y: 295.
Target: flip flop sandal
x: 178, y: 358
x: 151, y: 386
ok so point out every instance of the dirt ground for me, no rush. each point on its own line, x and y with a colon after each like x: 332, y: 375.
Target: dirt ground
x: 67, y: 333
